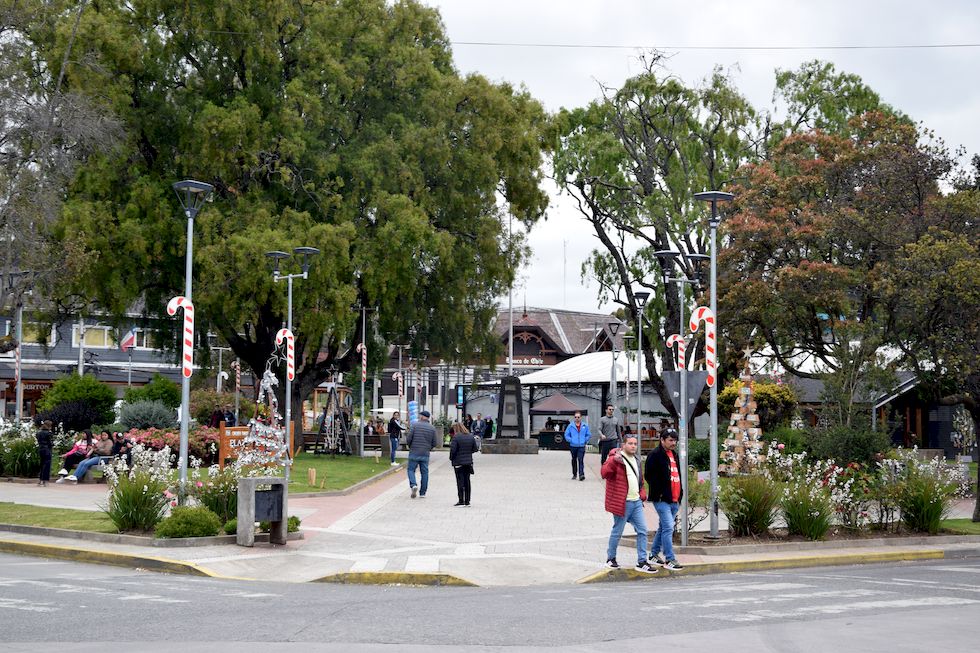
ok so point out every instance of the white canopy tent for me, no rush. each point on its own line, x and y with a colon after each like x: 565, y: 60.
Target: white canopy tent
x: 586, y: 368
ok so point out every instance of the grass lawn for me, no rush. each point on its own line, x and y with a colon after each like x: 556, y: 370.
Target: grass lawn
x: 79, y: 520
x: 335, y: 472
x: 961, y: 526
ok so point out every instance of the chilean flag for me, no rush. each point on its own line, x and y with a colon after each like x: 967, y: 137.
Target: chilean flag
x: 128, y: 341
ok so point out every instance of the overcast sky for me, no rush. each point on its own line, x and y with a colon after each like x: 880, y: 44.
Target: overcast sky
x: 937, y: 86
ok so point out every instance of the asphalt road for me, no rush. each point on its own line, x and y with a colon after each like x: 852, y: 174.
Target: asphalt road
x: 895, y: 607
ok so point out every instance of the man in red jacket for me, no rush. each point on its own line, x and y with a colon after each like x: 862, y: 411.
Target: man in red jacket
x: 624, y: 499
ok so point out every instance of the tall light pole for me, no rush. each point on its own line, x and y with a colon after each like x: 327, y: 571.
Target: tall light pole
x: 667, y: 259
x: 641, y: 301
x: 364, y: 311
x: 713, y: 197
x: 627, y: 346
x: 510, y: 306
x: 277, y: 256
x: 192, y: 195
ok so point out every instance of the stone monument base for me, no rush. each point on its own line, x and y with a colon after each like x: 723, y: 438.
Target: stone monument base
x: 509, y: 445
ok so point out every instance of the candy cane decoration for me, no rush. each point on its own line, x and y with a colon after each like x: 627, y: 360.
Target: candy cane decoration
x: 703, y: 313
x: 188, y: 351
x: 287, y: 335
x: 363, y: 349
x: 397, y: 376
x: 677, y: 341
x: 238, y: 375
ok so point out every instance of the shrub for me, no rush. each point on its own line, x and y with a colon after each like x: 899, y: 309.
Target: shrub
x: 775, y: 403
x: 219, y: 493
x: 20, y: 457
x: 204, y: 402
x: 926, y: 490
x: 71, y: 415
x: 806, y: 508
x: 750, y: 504
x: 146, y: 415
x: 81, y: 388
x: 699, y: 453
x: 846, y: 445
x: 159, y: 389
x: 793, y: 440
x: 202, y: 442
x: 189, y: 521
x: 231, y: 527
x: 138, y: 496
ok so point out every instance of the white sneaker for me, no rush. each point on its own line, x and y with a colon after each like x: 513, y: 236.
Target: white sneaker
x: 415, y: 491
x: 73, y: 479
x: 60, y: 480
x: 394, y: 464
x: 62, y: 472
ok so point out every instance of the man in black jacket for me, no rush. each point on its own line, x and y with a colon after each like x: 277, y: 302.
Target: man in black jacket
x: 662, y: 474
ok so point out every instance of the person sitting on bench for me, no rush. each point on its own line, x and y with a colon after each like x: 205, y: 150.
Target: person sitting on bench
x: 102, y: 451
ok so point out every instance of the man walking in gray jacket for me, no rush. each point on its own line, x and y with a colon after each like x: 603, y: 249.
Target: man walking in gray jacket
x: 421, y: 440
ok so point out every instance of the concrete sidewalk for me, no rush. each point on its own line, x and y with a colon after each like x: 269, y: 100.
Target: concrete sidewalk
x: 529, y: 524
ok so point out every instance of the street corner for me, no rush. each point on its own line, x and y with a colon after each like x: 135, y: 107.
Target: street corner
x: 607, y: 575
x: 132, y: 561
x: 437, y: 579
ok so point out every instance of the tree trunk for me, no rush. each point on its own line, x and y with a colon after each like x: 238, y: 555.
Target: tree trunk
x: 975, y: 414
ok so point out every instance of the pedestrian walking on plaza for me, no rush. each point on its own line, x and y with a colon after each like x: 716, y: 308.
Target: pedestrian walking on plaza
x: 45, y: 446
x: 609, y: 433
x: 624, y: 499
x: 461, y: 451
x: 577, y: 435
x: 395, y: 429
x: 421, y: 440
x: 662, y: 474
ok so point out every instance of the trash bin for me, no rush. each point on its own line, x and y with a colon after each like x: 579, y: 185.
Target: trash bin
x: 262, y: 505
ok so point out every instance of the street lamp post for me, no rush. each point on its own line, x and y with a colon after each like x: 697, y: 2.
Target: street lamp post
x: 627, y: 346
x: 192, y: 195
x: 641, y: 301
x: 713, y: 197
x: 613, y: 383
x: 667, y: 258
x: 277, y: 256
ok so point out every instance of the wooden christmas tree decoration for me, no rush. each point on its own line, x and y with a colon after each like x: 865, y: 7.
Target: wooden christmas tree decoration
x: 744, y: 451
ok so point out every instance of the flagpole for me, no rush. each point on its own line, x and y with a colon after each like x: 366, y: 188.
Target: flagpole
x: 129, y: 375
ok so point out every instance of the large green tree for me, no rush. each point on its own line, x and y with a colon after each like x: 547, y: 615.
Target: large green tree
x: 633, y: 161
x: 341, y: 125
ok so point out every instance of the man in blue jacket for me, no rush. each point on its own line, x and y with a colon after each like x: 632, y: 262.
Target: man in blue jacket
x: 577, y: 435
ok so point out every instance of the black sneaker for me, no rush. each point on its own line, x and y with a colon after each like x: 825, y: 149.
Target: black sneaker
x: 673, y: 565
x: 612, y: 564
x: 581, y: 478
x: 645, y: 568
x: 656, y: 559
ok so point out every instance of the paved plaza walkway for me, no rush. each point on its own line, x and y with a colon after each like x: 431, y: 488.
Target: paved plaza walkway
x: 529, y: 524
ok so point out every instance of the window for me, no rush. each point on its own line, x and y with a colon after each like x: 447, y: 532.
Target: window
x: 96, y: 337
x: 146, y: 339
x: 36, y: 333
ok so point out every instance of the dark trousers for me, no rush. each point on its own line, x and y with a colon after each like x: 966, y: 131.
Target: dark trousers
x: 73, y: 460
x: 605, y: 446
x: 463, y: 486
x: 578, y: 461
x: 45, y: 464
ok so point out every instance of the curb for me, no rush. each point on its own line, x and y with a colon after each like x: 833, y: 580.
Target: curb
x: 73, y: 554
x: 911, y: 540
x: 136, y: 540
x: 611, y: 575
x: 395, y: 578
x: 351, y: 489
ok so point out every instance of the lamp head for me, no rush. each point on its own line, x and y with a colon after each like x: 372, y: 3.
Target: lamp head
x: 192, y: 195
x: 277, y: 256
x: 666, y: 258
x: 307, y: 252
x: 614, y: 327
x: 713, y: 197
x: 641, y: 298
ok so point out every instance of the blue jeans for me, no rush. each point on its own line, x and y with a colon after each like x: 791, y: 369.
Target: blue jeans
x: 394, y: 439
x: 633, y: 515
x: 578, y: 457
x: 422, y: 462
x: 87, y: 464
x: 663, y: 540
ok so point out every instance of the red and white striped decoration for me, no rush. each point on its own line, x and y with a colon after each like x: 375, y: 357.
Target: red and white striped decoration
x: 287, y: 335
x: 17, y: 365
x: 704, y: 314
x: 238, y: 375
x: 397, y: 376
x: 675, y: 340
x: 178, y: 302
x: 363, y: 349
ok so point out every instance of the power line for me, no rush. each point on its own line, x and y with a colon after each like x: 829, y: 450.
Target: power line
x: 602, y: 46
